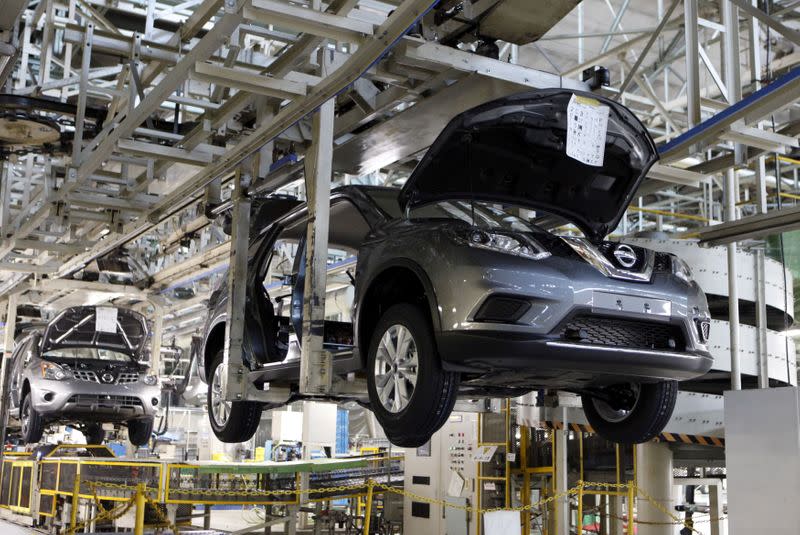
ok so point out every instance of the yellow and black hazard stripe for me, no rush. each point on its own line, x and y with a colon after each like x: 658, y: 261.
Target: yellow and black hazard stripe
x: 692, y: 439
x: 663, y: 437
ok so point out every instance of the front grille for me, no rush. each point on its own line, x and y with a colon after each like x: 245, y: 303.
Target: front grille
x: 663, y: 263
x: 100, y: 401
x: 127, y: 378
x: 614, y: 332
x: 85, y: 375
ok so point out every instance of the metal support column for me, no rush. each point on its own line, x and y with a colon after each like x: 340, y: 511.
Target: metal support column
x: 716, y: 509
x: 86, y: 53
x: 5, y: 368
x: 316, y: 363
x: 235, y: 377
x: 733, y: 83
x: 562, y: 476
x: 761, y: 320
x: 654, y: 472
x: 692, y: 62
x: 157, y: 338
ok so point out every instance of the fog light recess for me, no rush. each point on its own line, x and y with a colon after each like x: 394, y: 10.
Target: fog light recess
x: 502, y: 309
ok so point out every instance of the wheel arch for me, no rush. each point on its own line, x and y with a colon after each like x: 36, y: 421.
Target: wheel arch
x: 398, y: 281
x: 214, y: 342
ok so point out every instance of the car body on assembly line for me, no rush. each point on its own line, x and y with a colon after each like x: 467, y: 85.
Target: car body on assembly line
x: 84, y: 369
x: 457, y: 285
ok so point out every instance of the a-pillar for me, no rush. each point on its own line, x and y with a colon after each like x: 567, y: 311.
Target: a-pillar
x: 654, y: 474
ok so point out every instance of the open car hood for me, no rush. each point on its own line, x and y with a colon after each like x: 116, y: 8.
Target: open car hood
x: 103, y: 327
x: 513, y: 151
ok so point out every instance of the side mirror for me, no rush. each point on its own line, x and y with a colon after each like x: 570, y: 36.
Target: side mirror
x: 288, y: 280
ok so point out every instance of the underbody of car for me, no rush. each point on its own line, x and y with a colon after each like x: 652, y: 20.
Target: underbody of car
x: 83, y: 369
x: 462, y: 287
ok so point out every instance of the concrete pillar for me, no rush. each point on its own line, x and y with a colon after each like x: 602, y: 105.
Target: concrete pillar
x: 654, y: 474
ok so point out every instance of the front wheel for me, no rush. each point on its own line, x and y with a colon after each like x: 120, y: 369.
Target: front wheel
x: 94, y: 433
x: 232, y: 421
x: 140, y: 431
x: 630, y: 413
x: 31, y: 421
x: 409, y: 392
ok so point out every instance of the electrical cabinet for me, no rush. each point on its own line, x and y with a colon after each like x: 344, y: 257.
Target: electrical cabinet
x: 442, y: 469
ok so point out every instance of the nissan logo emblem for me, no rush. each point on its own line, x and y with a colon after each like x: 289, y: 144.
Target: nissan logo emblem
x: 107, y: 378
x: 625, y: 255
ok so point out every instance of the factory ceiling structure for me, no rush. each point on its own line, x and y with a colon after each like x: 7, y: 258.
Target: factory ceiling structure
x: 140, y: 140
x: 124, y: 123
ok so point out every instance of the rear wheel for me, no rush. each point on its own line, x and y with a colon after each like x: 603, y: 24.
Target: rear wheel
x: 94, y: 433
x: 631, y: 413
x: 410, y: 394
x: 31, y: 422
x: 232, y: 421
x: 140, y: 431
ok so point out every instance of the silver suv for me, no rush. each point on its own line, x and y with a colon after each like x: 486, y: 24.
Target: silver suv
x: 83, y: 369
x: 463, y: 285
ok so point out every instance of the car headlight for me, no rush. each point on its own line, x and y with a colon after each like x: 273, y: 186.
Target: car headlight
x: 681, y: 270
x: 54, y: 372
x: 150, y: 380
x: 502, y: 242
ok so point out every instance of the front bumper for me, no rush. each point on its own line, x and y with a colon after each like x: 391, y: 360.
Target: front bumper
x: 531, y: 349
x: 56, y: 399
x: 517, y: 360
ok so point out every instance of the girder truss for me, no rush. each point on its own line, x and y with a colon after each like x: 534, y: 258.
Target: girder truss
x: 194, y: 88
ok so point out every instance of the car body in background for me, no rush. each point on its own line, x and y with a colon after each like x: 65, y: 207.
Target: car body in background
x: 460, y: 287
x: 84, y: 369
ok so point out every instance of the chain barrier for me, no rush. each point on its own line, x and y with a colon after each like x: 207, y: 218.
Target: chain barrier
x: 161, y: 516
x: 574, y: 491
x: 104, y: 514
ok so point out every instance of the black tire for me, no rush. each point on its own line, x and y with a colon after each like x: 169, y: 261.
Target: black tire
x: 140, y: 431
x: 434, y: 394
x: 243, y: 417
x: 94, y: 433
x: 33, y: 430
x: 648, y: 417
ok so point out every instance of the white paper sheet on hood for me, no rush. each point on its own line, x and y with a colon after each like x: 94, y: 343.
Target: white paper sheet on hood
x: 587, y: 124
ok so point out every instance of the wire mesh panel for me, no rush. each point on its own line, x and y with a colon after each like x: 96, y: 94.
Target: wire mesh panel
x: 46, y: 504
x: 67, y: 472
x: 494, y: 427
x: 112, y: 479
x: 13, y: 497
x: 382, y: 471
x: 197, y: 484
x: 25, y: 487
x: 48, y: 475
x: 5, y: 490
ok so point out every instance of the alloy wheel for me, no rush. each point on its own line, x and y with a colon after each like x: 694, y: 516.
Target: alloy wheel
x: 220, y: 408
x: 396, y: 368
x: 616, y: 415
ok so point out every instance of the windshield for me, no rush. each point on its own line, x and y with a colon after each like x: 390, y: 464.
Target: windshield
x: 487, y: 214
x: 87, y: 353
x: 484, y: 214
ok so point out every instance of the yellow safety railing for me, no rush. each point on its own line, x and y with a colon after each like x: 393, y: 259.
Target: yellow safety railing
x: 139, y: 496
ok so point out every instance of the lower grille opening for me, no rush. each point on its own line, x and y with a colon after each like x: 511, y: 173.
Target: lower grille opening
x: 99, y: 401
x: 598, y: 330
